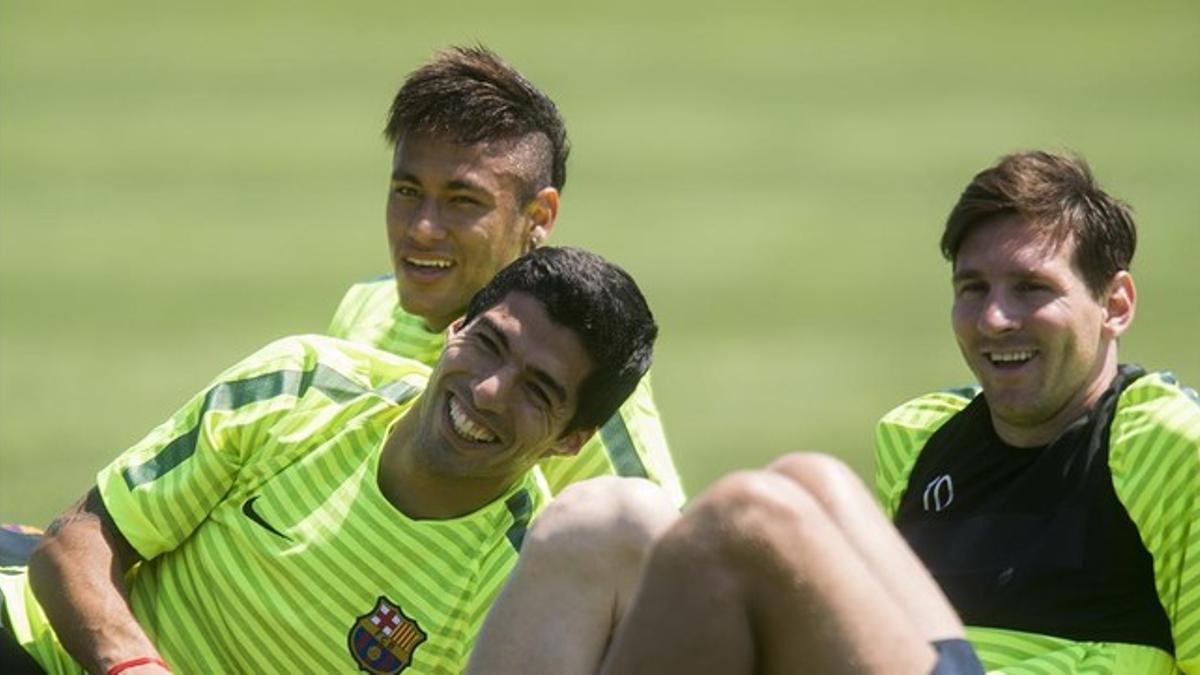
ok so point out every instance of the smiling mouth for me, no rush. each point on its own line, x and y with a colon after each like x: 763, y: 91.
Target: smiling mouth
x: 430, y: 264
x: 464, y: 426
x: 1010, y: 359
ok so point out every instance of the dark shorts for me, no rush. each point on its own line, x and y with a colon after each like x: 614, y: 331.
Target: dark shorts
x: 956, y: 657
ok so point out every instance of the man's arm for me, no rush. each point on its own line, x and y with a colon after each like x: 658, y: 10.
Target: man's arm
x: 1154, y: 459
x: 77, y: 573
x: 186, y: 465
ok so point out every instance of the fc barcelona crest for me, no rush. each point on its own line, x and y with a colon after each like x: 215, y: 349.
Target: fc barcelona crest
x: 383, y: 640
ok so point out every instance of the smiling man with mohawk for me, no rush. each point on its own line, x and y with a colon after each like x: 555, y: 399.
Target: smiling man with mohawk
x: 479, y: 164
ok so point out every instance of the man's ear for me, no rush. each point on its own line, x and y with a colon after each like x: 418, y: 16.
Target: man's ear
x: 1120, y: 302
x: 570, y: 444
x: 542, y: 212
x: 456, y: 326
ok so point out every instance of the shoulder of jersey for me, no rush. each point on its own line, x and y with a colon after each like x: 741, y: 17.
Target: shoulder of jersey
x: 930, y: 408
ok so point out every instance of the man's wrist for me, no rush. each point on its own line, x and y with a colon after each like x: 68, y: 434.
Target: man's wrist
x: 129, y: 664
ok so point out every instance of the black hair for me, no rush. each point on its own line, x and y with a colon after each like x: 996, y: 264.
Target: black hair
x: 470, y: 95
x: 601, y: 304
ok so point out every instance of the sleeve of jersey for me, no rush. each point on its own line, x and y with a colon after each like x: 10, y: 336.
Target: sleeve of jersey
x: 899, y: 438
x: 631, y: 444
x: 1154, y: 457
x: 159, y: 490
x: 346, y: 314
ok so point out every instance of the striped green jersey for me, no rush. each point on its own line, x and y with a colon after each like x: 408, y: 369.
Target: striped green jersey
x: 1154, y: 463
x: 269, y: 547
x: 631, y: 443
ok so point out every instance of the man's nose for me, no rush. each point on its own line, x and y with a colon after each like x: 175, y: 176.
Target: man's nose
x: 491, y: 391
x: 1000, y: 314
x: 425, y: 226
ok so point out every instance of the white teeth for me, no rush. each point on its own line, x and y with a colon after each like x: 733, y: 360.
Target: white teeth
x: 1011, y: 357
x: 428, y: 262
x: 467, y: 428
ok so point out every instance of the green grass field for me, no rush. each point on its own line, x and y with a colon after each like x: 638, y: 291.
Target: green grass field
x: 179, y: 186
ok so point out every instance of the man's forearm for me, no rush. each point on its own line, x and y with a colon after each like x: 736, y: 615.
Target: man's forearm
x: 77, y: 574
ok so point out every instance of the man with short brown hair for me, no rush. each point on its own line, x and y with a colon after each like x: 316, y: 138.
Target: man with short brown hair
x: 1057, y: 505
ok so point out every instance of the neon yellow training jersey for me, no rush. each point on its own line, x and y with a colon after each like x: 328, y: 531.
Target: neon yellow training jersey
x: 631, y: 443
x: 269, y: 547
x: 1151, y: 483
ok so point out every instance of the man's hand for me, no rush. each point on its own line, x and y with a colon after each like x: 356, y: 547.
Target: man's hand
x: 77, y: 573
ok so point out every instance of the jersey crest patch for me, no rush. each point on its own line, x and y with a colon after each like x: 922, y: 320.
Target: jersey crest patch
x: 383, y: 640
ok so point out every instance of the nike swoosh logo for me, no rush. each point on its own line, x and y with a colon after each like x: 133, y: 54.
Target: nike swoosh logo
x: 248, y: 509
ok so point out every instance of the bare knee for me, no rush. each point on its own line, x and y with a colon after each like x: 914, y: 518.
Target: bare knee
x: 811, y: 466
x: 826, y: 478
x: 600, y: 524
x: 747, y: 519
x: 752, y: 499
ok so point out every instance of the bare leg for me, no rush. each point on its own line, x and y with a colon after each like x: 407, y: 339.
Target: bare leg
x: 758, y: 578
x: 875, y: 541
x: 576, y: 576
x: 788, y: 570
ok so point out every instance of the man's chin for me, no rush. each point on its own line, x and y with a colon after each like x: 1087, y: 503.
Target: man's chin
x: 430, y: 308
x: 1017, y: 411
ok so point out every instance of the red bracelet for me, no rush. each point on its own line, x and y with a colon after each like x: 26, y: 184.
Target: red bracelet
x: 134, y: 663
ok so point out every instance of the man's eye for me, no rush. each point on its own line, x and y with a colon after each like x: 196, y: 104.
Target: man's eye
x: 1031, y: 286
x: 404, y: 190
x: 488, y: 343
x: 970, y: 288
x: 539, y: 394
x: 464, y: 200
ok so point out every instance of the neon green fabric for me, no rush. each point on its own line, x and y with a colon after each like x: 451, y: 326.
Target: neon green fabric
x: 631, y: 443
x: 1154, y: 460
x: 269, y: 545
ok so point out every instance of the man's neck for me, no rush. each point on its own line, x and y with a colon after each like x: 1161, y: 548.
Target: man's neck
x: 422, y: 494
x: 1044, y: 433
x: 435, y: 326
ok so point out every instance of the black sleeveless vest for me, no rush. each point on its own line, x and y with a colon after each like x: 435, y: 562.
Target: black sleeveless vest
x: 1033, y: 539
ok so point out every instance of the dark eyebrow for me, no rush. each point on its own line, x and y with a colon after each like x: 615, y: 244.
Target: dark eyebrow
x: 964, y: 275
x: 546, y: 379
x: 486, y: 323
x: 460, y: 184
x: 456, y: 184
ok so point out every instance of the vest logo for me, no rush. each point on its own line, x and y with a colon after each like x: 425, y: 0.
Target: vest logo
x: 383, y: 640
x: 939, y: 493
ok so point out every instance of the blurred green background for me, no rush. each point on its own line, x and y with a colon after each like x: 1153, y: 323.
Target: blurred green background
x: 181, y: 184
